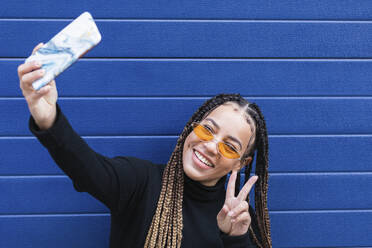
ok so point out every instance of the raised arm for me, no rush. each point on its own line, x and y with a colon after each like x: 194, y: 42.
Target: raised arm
x: 113, y: 181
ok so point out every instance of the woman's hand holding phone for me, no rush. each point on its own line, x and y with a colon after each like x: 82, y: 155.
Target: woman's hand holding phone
x: 39, y: 70
x: 41, y: 103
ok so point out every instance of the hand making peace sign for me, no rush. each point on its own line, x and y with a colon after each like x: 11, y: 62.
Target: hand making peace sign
x: 234, y: 218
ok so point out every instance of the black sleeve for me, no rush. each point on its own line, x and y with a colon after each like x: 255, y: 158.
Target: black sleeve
x: 242, y: 241
x: 91, y: 172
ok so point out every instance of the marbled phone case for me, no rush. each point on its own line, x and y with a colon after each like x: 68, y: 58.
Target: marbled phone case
x: 65, y: 48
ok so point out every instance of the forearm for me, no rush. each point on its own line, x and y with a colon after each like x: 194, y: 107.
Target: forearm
x: 89, y: 171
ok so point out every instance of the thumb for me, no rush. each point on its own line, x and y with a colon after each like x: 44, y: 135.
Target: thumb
x: 37, y: 48
x: 42, y: 92
x: 223, y: 213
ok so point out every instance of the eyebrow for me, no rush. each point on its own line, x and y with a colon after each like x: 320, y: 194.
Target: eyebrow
x: 229, y: 136
x: 236, y: 140
x: 213, y: 122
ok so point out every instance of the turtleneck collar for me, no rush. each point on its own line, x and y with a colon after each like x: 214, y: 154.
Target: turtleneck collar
x: 200, y: 192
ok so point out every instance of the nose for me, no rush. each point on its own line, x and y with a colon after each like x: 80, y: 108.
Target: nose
x: 211, y: 147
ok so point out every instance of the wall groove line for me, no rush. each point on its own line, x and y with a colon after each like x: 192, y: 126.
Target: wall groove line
x: 197, y: 20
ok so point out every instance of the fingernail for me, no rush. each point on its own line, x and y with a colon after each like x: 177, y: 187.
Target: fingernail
x: 231, y: 213
x: 37, y: 63
x: 42, y: 72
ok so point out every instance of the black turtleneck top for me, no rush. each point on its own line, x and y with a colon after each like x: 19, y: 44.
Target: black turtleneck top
x: 130, y: 188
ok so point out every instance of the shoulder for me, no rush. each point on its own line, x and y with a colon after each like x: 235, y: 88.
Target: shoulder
x: 137, y: 166
x: 138, y: 163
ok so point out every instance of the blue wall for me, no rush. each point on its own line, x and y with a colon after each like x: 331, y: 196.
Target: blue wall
x: 306, y: 63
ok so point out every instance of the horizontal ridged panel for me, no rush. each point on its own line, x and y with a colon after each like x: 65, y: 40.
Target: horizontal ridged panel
x: 290, y: 230
x: 320, y: 191
x: 45, y: 195
x: 259, y: 49
x: 134, y: 116
x: 320, y: 154
x: 203, y: 39
x: 55, y: 231
x: 286, y: 192
x: 204, y: 77
x: 342, y: 229
x: 25, y: 156
x: 271, y: 9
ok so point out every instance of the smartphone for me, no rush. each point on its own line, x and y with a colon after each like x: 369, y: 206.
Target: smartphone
x: 66, y: 47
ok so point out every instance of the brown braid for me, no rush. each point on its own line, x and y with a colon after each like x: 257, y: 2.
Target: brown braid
x: 261, y: 186
x: 166, y: 226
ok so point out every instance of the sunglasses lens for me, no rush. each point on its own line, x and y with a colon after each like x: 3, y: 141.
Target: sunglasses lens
x: 205, y: 135
x: 202, y: 132
x: 227, y: 151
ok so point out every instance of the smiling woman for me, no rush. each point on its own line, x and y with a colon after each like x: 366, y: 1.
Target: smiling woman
x: 223, y: 126
x: 206, y: 160
x: 183, y: 203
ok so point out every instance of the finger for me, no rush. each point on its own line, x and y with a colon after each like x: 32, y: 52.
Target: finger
x: 37, y: 47
x: 242, y: 218
x: 28, y: 78
x: 247, y: 188
x: 240, y: 208
x: 28, y: 67
x: 231, y: 185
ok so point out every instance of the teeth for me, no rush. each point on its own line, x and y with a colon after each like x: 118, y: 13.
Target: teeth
x: 203, y: 159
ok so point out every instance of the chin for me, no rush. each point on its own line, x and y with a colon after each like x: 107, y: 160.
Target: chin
x: 197, y: 171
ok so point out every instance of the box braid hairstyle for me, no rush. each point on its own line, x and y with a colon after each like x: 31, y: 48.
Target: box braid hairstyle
x: 167, y: 223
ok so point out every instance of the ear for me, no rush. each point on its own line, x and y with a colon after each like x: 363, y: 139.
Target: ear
x: 246, y: 161
x: 240, y: 164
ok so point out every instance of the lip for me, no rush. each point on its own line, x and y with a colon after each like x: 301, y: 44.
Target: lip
x: 200, y: 163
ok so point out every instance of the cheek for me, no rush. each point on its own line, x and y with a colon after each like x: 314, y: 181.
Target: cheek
x: 189, y: 141
x: 186, y: 146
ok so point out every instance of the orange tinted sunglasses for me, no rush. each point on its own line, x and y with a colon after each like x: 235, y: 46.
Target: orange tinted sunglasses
x: 223, y: 148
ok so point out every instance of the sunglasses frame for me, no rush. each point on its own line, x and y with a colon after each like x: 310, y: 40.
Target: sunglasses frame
x: 195, y: 124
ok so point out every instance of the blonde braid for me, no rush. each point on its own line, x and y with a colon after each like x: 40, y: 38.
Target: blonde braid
x: 167, y: 223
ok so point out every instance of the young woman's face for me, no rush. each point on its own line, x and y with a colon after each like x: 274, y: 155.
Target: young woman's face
x: 201, y: 160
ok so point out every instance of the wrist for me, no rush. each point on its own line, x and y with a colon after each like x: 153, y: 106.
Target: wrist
x: 46, y: 122
x: 235, y: 241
